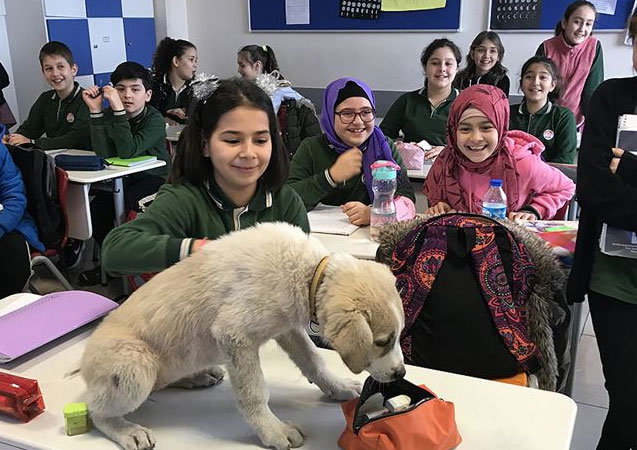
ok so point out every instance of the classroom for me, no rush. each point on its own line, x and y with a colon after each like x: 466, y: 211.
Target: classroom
x: 451, y: 172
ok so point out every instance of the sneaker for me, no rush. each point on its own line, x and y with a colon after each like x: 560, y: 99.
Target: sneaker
x: 72, y: 253
x: 92, y: 277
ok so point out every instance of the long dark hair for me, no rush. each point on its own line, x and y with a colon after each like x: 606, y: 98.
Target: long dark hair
x: 552, y: 69
x: 570, y: 9
x: 190, y: 163
x: 498, y: 70
x: 435, y: 45
x: 166, y: 50
x: 262, y: 53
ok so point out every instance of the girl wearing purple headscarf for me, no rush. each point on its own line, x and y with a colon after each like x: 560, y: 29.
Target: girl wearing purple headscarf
x: 334, y: 168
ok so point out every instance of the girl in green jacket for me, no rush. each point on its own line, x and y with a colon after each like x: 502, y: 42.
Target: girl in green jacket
x: 229, y: 173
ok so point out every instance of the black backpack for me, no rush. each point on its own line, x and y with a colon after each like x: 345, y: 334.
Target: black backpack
x: 40, y: 181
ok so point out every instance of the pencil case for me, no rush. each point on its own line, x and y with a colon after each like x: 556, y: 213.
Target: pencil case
x: 79, y: 162
x: 20, y: 397
x: 425, y: 423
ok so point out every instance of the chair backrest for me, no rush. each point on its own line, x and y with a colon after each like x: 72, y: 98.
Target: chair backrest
x: 569, y: 210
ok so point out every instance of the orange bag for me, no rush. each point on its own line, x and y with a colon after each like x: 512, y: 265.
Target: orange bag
x: 427, y: 424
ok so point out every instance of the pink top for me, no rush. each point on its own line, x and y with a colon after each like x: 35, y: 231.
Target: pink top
x: 574, y: 63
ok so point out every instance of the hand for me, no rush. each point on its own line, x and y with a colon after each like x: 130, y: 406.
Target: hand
x: 198, y: 245
x: 439, y: 208
x: 520, y: 216
x: 178, y: 112
x: 111, y: 94
x: 434, y: 151
x: 614, y: 163
x: 18, y: 139
x: 348, y: 165
x: 357, y: 213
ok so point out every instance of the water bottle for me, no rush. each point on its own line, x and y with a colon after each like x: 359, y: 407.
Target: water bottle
x: 384, y: 185
x: 494, y: 203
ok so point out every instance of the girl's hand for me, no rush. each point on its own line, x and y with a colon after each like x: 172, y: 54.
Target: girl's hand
x: 614, y: 163
x: 348, y: 165
x: 357, y: 213
x: 178, y: 112
x: 435, y: 151
x: 198, y: 245
x: 439, y: 208
x: 111, y: 94
x: 93, y: 99
x: 520, y: 216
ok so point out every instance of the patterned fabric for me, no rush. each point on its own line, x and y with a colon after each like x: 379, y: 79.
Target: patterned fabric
x: 417, y: 259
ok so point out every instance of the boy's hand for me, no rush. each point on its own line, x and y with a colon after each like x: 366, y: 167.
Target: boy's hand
x: 614, y: 163
x: 348, y: 165
x: 93, y: 99
x: 18, y: 139
x: 357, y: 213
x: 178, y: 112
x: 111, y: 94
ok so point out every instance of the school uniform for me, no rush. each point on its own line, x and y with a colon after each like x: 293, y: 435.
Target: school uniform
x: 553, y: 125
x: 417, y: 118
x: 309, y: 179
x: 463, y: 81
x: 165, y: 97
x: 181, y: 213
x: 64, y: 121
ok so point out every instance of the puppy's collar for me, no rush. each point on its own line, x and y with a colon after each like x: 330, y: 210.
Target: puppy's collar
x: 316, y: 281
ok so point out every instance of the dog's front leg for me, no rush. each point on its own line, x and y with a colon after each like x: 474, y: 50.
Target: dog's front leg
x: 302, y: 351
x: 246, y: 377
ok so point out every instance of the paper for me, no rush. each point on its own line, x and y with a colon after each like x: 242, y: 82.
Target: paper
x: 412, y: 5
x: 330, y: 220
x: 605, y: 6
x: 297, y: 12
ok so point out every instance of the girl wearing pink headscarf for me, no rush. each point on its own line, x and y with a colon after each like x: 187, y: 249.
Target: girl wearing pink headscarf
x: 480, y: 147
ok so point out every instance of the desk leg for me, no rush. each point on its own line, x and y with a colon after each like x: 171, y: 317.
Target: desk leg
x: 120, y: 217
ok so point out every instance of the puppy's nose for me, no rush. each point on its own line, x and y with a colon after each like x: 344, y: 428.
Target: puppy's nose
x: 398, y: 372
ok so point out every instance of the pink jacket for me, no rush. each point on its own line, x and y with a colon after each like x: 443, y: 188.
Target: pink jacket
x: 541, y: 186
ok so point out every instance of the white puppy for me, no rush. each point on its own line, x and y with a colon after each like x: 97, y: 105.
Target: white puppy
x: 219, y: 306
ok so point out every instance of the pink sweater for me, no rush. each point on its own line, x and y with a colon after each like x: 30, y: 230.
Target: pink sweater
x: 541, y: 186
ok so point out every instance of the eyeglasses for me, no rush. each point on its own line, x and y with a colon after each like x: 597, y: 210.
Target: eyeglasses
x: 348, y: 116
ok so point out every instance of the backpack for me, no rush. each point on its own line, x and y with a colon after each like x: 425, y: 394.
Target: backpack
x: 464, y: 281
x: 40, y: 181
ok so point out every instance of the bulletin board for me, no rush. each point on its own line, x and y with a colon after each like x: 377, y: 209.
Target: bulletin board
x: 269, y: 15
x: 543, y: 15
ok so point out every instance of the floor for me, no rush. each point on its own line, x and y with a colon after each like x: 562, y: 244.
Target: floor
x: 588, y: 388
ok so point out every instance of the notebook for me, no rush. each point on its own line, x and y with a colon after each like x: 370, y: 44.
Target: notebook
x: 330, y: 220
x: 29, y: 321
x: 615, y: 241
x: 130, y: 162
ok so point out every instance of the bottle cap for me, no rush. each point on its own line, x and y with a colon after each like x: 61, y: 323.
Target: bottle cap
x: 496, y: 182
x: 384, y: 170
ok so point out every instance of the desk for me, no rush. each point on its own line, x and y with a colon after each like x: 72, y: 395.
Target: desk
x: 490, y: 415
x: 80, y: 226
x: 357, y: 244
x: 173, y: 132
x: 420, y: 174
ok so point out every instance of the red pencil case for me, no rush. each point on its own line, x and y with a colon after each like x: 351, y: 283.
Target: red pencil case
x: 20, y: 397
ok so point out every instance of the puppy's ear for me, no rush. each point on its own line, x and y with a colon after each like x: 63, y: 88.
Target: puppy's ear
x: 353, y: 341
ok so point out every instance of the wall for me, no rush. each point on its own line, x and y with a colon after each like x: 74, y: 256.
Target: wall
x: 387, y: 61
x: 5, y: 57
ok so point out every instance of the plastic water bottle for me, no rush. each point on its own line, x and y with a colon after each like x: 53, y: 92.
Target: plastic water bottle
x: 384, y: 186
x: 494, y: 203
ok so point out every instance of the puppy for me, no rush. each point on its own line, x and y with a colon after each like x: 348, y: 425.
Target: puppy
x: 219, y: 306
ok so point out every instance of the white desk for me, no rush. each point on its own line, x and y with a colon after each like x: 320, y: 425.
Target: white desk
x: 420, y: 174
x: 357, y: 244
x: 173, y: 132
x: 490, y: 415
x: 80, y: 226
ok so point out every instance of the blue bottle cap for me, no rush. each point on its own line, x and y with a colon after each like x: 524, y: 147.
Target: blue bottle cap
x: 496, y: 182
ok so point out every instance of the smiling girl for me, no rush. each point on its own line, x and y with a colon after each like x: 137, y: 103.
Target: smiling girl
x: 484, y: 63
x: 422, y: 114
x: 229, y: 173
x: 334, y: 169
x: 481, y: 148
x: 539, y: 115
x: 578, y: 55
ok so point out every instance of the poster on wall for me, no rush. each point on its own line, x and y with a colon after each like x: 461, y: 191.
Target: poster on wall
x: 516, y: 14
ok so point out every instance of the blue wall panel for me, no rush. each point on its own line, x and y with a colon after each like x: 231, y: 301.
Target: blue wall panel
x: 74, y: 33
x: 103, y: 8
x: 139, y: 36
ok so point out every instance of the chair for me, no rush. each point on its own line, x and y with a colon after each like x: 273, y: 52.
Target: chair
x: 570, y: 211
x: 44, y: 257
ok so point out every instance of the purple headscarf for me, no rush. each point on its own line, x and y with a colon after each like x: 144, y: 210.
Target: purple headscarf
x: 374, y: 148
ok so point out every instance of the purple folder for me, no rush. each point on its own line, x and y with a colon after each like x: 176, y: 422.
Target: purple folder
x: 47, y: 318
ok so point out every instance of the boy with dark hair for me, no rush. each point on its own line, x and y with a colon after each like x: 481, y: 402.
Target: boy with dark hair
x: 59, y: 113
x: 128, y: 129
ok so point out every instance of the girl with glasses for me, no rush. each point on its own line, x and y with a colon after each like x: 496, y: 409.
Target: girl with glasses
x: 334, y: 168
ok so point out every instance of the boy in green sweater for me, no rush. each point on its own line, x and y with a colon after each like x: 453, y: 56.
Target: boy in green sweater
x: 60, y: 113
x: 129, y: 128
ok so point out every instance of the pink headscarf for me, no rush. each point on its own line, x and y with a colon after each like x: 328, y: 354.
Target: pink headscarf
x: 443, y: 178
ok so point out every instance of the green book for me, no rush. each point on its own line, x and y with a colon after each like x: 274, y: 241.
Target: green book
x: 130, y: 162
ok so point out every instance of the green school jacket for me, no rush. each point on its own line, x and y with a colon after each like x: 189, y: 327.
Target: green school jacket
x: 163, y: 234
x: 113, y: 134
x: 307, y: 176
x: 65, y: 122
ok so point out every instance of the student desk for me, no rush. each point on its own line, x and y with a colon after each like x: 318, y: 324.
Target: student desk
x: 358, y: 244
x: 80, y: 226
x: 173, y: 132
x: 490, y: 415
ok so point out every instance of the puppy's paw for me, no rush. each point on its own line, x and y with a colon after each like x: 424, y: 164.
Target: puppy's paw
x: 342, y: 389
x: 209, y: 378
x: 282, y: 437
x: 136, y: 437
